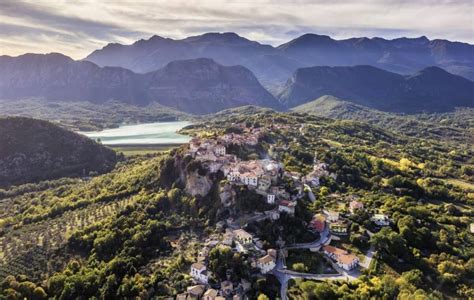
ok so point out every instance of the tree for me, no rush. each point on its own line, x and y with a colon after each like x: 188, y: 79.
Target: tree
x: 263, y: 297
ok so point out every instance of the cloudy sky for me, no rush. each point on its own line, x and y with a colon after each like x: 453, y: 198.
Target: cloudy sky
x: 77, y: 27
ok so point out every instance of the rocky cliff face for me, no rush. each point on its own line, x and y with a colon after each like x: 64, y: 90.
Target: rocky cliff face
x: 197, y: 185
x: 196, y: 86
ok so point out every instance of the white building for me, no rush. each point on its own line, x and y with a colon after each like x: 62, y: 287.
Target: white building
x: 332, y: 216
x: 243, y: 236
x: 380, y: 220
x: 233, y: 176
x: 199, y: 272
x: 287, y: 206
x: 266, y: 263
x: 342, y: 257
x: 271, y: 198
x: 219, y: 150
x: 249, y: 179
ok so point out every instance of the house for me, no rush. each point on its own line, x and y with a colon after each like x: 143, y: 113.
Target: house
x: 210, y: 294
x: 380, y: 220
x: 219, y: 150
x: 243, y: 236
x: 249, y: 178
x: 264, y: 182
x: 342, y: 257
x: 332, y: 216
x: 233, y: 176
x: 347, y: 262
x: 199, y: 272
x: 182, y: 296
x: 271, y: 198
x: 333, y: 252
x: 338, y: 228
x: 287, y: 206
x: 266, y: 263
x: 195, y: 291
x: 355, y: 205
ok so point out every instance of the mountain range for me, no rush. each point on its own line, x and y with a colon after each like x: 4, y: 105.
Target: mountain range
x: 198, y: 86
x: 215, y: 71
x: 431, y: 89
x: 273, y: 65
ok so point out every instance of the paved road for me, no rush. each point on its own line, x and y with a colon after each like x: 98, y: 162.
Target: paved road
x: 283, y: 275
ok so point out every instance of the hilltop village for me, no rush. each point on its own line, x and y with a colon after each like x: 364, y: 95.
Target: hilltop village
x: 278, y: 191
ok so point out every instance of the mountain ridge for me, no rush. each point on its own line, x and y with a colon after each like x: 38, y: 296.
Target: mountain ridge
x: 400, y: 55
x: 197, y: 86
x: 427, y: 90
x: 34, y: 149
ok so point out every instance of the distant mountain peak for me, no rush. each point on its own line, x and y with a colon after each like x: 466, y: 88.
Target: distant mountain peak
x: 219, y: 37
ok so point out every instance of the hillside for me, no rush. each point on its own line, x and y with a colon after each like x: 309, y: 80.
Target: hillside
x: 33, y: 150
x: 273, y: 65
x: 138, y: 230
x: 195, y: 86
x: 449, y: 126
x: 86, y: 116
x: 431, y: 89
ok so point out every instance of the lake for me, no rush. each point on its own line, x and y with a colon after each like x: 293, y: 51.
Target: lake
x: 141, y: 134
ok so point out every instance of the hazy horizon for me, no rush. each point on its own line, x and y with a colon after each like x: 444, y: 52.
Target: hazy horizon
x: 77, y: 29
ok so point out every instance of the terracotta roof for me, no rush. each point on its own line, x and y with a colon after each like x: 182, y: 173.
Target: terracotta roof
x: 334, y: 250
x: 198, y: 266
x: 286, y: 203
x: 242, y: 233
x: 211, y: 293
x: 195, y: 290
x: 347, y: 259
x: 266, y: 259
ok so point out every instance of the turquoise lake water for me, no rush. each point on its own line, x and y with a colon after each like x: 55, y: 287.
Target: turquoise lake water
x: 151, y: 133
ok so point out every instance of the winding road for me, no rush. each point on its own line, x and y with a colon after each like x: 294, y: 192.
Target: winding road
x: 283, y: 275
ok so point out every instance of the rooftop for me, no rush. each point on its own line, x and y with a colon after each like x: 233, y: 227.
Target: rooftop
x: 198, y: 266
x: 266, y: 259
x: 334, y: 250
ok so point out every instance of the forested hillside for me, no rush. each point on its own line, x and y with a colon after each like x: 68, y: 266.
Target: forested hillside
x: 134, y: 232
x: 33, y: 150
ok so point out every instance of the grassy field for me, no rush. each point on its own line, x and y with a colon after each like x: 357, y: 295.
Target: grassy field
x: 313, y: 262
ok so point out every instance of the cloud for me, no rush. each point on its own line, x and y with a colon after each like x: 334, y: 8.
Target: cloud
x: 76, y: 28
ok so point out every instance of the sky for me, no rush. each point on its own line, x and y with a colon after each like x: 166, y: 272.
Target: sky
x: 78, y: 27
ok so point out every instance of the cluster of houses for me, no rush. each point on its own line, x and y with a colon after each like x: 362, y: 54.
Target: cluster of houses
x: 227, y: 291
x: 258, y: 175
x: 263, y: 177
x: 201, y: 274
